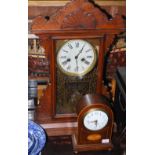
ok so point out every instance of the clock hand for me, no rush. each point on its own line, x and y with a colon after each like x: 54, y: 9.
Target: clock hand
x: 76, y: 57
x: 77, y: 65
x: 95, y: 122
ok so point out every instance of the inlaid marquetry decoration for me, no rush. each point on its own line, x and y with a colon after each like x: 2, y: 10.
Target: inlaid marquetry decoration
x: 75, y: 39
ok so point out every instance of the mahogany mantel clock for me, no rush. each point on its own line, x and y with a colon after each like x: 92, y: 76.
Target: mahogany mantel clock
x: 75, y: 39
x: 95, y: 122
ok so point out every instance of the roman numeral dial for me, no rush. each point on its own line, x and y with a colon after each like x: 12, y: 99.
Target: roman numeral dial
x: 76, y: 57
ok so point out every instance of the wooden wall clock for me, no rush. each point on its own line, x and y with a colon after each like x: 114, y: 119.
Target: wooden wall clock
x: 75, y: 41
x: 95, y: 122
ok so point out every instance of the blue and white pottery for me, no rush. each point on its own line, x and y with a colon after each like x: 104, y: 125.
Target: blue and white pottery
x: 36, y: 138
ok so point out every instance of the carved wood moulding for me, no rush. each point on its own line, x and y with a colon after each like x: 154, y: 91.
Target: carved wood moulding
x: 77, y: 14
x: 63, y: 2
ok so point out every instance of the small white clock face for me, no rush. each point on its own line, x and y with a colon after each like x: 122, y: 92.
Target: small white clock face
x: 76, y: 57
x: 95, y: 120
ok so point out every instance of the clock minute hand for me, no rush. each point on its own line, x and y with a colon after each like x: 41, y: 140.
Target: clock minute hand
x: 95, y: 122
x: 76, y: 57
x: 77, y: 65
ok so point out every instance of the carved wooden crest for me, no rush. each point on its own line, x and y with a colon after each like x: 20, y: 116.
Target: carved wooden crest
x: 77, y: 14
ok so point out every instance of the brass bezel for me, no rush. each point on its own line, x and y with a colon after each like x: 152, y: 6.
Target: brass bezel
x: 89, y: 68
x: 91, y: 110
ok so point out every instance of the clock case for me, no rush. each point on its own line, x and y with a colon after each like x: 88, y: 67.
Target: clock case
x: 78, y: 19
x: 101, y: 139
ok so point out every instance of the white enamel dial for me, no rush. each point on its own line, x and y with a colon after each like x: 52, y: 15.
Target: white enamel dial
x: 95, y: 120
x: 76, y: 57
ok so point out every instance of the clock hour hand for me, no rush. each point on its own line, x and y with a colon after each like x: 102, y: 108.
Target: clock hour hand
x: 76, y: 57
x: 95, y: 122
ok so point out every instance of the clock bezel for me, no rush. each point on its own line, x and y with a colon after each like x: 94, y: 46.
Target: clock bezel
x: 91, y: 110
x: 88, y: 69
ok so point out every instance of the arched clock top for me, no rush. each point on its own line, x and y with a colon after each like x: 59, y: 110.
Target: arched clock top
x: 77, y: 14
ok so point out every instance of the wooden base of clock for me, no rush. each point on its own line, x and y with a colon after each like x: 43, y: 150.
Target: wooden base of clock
x: 89, y: 147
